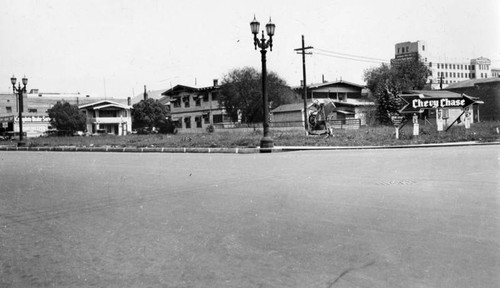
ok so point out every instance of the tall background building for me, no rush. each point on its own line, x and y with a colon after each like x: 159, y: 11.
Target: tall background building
x: 444, y: 72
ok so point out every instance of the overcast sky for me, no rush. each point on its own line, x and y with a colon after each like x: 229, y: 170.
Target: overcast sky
x: 112, y: 48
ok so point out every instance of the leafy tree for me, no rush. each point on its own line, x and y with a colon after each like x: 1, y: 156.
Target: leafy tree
x: 241, y: 90
x: 64, y: 116
x: 387, y: 82
x: 149, y: 113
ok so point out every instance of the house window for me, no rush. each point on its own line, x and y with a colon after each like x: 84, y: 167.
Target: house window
x: 206, y: 118
x: 197, y: 119
x: 205, y: 97
x: 108, y: 113
x: 215, y: 95
x: 198, y: 101
x: 187, y: 122
x: 423, y: 47
x: 398, y: 50
x: 218, y: 118
x: 186, y: 101
x: 430, y: 64
x: 9, y: 109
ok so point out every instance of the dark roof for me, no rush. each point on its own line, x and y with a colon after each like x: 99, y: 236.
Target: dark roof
x: 313, y: 86
x: 471, y: 83
x: 178, y: 89
x: 319, y: 85
x: 183, y: 88
x: 435, y: 93
x: 299, y: 106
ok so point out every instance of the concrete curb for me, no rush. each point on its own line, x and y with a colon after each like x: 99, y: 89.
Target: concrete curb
x: 451, y: 144
x: 240, y: 150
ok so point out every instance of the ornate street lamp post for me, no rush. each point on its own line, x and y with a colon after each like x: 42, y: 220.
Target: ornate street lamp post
x: 19, y: 91
x: 266, y: 143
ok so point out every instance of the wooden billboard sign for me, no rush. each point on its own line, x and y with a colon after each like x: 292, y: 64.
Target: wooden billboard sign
x: 417, y: 103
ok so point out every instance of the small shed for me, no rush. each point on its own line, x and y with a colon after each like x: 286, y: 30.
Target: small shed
x: 289, y: 115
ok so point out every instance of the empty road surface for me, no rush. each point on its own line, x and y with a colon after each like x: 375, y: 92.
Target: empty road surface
x: 371, y: 218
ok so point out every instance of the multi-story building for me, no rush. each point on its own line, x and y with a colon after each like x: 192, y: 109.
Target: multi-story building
x: 108, y: 116
x: 443, y: 72
x: 195, y: 109
x: 35, y: 107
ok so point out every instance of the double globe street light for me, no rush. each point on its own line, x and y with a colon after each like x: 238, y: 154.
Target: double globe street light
x: 19, y: 91
x: 266, y: 143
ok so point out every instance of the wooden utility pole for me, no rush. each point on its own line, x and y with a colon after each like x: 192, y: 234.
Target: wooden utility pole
x: 304, y: 82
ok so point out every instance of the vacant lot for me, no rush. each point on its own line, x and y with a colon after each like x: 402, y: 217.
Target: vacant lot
x: 367, y: 136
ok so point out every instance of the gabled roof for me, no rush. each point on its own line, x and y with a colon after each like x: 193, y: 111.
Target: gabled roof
x: 183, y: 88
x: 104, y: 104
x: 326, y: 84
x: 333, y: 83
x: 178, y: 89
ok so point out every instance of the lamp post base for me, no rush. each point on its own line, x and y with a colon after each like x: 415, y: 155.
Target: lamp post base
x: 266, y: 144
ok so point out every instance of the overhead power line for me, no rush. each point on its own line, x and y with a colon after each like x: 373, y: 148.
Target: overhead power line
x: 349, y: 58
x: 340, y: 55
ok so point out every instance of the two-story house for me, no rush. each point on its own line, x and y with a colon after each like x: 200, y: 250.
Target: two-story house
x: 351, y: 102
x: 195, y: 109
x: 113, y: 117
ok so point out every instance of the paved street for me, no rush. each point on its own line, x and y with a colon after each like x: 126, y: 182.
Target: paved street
x: 369, y: 218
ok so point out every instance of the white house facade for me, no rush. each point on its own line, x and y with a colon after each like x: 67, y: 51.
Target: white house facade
x: 113, y: 117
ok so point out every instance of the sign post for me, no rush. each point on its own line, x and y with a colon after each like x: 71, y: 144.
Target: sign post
x: 467, y: 117
x: 397, y: 121
x: 439, y: 120
x: 415, y: 124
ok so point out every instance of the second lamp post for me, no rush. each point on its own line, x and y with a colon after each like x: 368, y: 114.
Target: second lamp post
x: 20, y: 92
x: 266, y: 143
